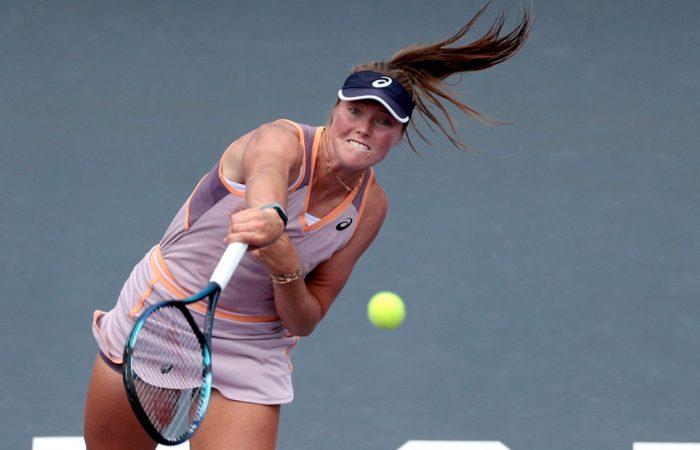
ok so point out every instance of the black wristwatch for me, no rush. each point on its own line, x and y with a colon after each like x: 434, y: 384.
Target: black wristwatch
x: 277, y: 207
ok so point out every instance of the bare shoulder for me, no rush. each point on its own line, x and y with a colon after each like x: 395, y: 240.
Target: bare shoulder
x: 278, y: 129
x: 274, y: 141
x: 278, y: 133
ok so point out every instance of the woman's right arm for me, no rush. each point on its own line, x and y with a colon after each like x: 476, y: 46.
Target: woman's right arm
x: 265, y: 160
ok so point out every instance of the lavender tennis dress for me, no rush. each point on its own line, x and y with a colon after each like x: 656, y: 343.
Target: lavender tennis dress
x: 250, y: 345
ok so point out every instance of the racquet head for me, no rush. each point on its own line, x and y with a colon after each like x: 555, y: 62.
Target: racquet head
x: 167, y: 372
x: 167, y: 359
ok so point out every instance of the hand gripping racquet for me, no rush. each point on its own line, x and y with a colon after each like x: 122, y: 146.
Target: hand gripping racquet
x: 167, y: 359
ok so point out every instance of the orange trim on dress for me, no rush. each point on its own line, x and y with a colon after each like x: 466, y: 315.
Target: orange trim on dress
x: 333, y: 214
x: 161, y: 274
x: 297, y: 183
x: 226, y: 314
x: 302, y: 141
x: 187, y: 204
x: 363, y: 203
x: 288, y: 353
x: 142, y: 299
x: 97, y: 315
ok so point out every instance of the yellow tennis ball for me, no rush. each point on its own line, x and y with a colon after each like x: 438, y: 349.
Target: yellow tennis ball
x: 386, y: 310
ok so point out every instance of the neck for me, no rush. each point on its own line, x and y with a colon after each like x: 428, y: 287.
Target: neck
x: 348, y: 182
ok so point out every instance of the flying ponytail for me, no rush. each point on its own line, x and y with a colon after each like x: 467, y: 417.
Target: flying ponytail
x: 423, y: 69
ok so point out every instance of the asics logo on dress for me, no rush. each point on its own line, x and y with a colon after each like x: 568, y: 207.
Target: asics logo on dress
x: 344, y: 224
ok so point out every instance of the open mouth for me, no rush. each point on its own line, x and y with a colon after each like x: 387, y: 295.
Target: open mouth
x: 359, y: 145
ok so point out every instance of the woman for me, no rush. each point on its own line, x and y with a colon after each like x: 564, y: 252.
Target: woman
x: 306, y: 201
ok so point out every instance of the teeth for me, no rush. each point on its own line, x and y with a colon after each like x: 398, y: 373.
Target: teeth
x: 359, y: 145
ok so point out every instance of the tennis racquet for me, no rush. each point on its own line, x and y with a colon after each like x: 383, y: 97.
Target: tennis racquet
x: 167, y: 359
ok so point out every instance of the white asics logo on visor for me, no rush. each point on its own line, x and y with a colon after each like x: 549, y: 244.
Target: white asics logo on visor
x: 382, y: 82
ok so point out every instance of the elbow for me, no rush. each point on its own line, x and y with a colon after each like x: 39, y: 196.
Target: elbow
x: 301, y: 330
x: 300, y: 323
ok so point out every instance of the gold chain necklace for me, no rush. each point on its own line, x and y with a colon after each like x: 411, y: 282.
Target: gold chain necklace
x: 325, y: 144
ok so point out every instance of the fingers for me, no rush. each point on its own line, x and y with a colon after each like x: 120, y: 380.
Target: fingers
x: 255, y: 227
x: 278, y: 257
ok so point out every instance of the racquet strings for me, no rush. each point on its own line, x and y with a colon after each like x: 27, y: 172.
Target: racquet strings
x: 168, y: 372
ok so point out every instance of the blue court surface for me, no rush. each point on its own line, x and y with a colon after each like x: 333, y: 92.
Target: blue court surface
x: 551, y: 276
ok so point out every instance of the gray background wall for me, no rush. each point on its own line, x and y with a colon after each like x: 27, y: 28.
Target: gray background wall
x: 551, y: 279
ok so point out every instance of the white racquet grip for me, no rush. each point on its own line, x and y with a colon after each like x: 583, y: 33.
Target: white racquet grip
x: 228, y: 263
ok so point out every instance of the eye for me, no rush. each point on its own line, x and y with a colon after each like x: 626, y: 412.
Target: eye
x: 384, y: 122
x: 353, y: 110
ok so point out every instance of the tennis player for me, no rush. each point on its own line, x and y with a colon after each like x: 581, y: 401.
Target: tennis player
x: 306, y: 199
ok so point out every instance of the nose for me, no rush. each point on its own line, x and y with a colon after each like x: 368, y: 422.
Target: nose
x: 364, y: 127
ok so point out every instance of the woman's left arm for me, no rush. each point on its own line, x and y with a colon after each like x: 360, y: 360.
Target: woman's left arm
x: 302, y: 303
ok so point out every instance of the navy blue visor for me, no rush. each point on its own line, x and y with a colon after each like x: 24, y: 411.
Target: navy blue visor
x: 367, y: 85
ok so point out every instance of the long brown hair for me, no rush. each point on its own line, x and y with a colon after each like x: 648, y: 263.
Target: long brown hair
x: 423, y: 70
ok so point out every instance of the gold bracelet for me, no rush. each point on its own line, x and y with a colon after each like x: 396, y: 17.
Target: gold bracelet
x: 284, y: 278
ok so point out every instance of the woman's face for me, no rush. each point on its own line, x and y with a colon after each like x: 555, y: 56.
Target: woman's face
x: 362, y: 133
